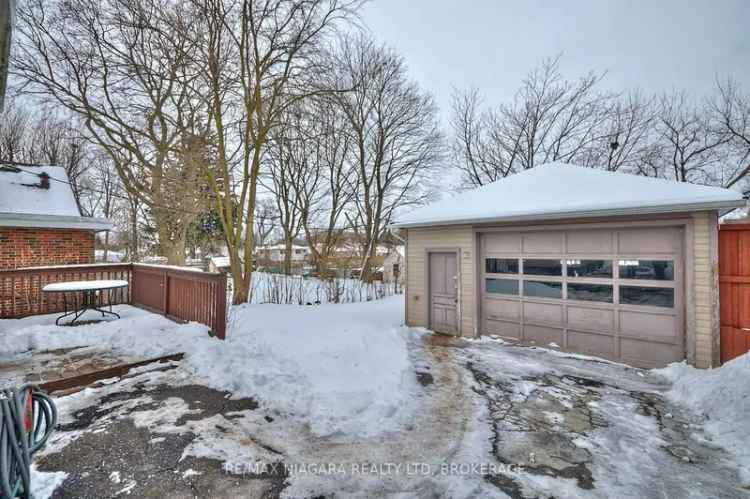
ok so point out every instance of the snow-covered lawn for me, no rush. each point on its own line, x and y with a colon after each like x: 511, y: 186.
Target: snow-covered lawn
x: 334, y: 367
x: 298, y: 290
x: 352, y: 403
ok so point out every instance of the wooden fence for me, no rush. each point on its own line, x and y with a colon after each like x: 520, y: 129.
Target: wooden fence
x: 181, y: 295
x: 734, y: 289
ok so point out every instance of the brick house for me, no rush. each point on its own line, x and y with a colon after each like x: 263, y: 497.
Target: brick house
x: 40, y: 223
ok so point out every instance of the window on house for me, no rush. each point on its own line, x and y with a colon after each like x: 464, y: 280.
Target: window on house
x: 541, y: 289
x: 501, y: 286
x: 537, y: 266
x: 589, y: 268
x: 642, y: 295
x: 655, y: 270
x: 501, y: 265
x: 590, y: 292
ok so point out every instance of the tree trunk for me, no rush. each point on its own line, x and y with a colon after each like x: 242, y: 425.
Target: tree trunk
x: 134, y: 231
x: 288, y: 256
x: 240, y: 292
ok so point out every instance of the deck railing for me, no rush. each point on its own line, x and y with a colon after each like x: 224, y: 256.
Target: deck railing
x: 182, y: 295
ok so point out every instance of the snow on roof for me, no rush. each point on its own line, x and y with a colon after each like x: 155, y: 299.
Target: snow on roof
x: 41, y: 196
x: 559, y: 190
x: 22, y: 192
x: 220, y: 261
x: 281, y: 247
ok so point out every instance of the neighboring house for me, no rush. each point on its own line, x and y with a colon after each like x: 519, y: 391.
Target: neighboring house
x: 40, y: 223
x: 111, y: 256
x: 277, y: 252
x: 219, y: 264
x: 394, y: 265
x: 619, y: 266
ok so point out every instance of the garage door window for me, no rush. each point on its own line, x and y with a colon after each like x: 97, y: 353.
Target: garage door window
x: 537, y: 266
x: 501, y: 265
x: 589, y: 268
x: 654, y: 270
x: 642, y: 295
x: 501, y: 286
x: 590, y: 292
x: 540, y: 289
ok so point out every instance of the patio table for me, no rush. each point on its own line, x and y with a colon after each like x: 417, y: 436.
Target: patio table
x: 91, y: 291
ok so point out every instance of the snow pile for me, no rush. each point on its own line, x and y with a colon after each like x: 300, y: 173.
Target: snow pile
x: 338, y: 368
x: 722, y: 395
x: 138, y: 333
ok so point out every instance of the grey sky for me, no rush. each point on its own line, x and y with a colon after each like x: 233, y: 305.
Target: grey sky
x: 652, y: 45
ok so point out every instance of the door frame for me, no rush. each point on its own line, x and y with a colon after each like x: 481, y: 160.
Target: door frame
x: 682, y: 221
x: 428, y: 301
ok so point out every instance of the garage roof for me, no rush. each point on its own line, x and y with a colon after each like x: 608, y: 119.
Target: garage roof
x: 559, y: 190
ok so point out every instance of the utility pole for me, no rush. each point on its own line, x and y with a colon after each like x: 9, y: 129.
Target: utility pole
x: 7, y: 13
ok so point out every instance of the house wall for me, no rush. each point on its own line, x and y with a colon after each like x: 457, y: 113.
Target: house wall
x: 21, y: 247
x: 419, y: 242
x: 701, y: 279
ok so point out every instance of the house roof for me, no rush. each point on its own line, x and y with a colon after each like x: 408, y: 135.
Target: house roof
x: 220, y: 261
x: 559, y: 190
x: 41, y: 196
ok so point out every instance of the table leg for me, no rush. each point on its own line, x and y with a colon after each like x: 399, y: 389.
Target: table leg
x: 89, y: 302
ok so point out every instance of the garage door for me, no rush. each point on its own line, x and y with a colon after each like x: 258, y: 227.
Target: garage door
x: 614, y: 293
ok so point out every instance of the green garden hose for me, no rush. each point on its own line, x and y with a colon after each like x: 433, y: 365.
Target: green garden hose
x: 27, y: 418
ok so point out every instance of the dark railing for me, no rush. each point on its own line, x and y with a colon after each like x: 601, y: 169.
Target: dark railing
x: 179, y: 294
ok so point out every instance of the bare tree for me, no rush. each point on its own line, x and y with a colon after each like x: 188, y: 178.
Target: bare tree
x: 15, y: 125
x: 121, y: 68
x: 478, y: 148
x: 625, y: 137
x: 257, y: 58
x: 266, y: 217
x: 56, y: 141
x: 549, y: 119
x: 396, y: 143
x: 287, y: 171
x: 731, y: 114
x: 101, y: 191
x: 330, y: 183
x: 688, y: 148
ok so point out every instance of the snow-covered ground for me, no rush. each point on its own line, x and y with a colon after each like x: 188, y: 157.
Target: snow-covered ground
x: 298, y: 290
x: 348, y: 386
x: 334, y: 367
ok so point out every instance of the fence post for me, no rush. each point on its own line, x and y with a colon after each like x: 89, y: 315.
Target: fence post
x: 164, y: 292
x: 221, y: 307
x: 131, y: 280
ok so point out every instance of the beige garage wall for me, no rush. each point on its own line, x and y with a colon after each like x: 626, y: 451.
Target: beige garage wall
x: 419, y: 241
x: 702, y: 293
x: 705, y: 291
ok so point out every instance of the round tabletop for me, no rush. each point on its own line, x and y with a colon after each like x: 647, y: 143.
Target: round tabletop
x: 84, y: 286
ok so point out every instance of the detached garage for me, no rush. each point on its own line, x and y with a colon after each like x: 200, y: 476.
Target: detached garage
x: 614, y: 265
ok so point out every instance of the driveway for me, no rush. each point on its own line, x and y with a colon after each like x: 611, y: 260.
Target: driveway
x: 541, y: 423
x: 584, y: 427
